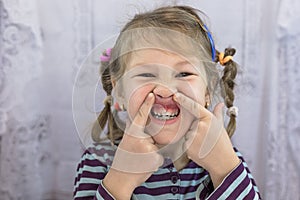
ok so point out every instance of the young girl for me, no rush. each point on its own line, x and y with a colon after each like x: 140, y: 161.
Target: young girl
x: 164, y: 73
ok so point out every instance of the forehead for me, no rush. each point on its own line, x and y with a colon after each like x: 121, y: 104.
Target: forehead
x: 152, y: 43
x: 160, y: 57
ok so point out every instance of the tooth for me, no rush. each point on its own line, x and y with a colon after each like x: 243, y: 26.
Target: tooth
x: 164, y: 115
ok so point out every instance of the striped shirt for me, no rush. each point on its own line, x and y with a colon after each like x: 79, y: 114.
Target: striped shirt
x: 192, y: 182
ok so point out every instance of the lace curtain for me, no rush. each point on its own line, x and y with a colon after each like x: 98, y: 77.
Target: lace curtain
x: 283, y: 163
x: 22, y: 130
x: 33, y: 47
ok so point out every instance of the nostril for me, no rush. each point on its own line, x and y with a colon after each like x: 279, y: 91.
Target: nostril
x: 159, y: 97
x: 163, y: 92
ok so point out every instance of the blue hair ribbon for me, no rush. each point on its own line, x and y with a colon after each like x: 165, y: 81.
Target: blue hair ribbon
x: 212, y: 44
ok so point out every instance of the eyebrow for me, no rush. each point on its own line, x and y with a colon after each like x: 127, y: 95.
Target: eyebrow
x: 182, y: 63
x: 176, y: 65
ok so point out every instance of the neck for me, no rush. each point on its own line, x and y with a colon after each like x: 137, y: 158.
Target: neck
x: 181, y: 162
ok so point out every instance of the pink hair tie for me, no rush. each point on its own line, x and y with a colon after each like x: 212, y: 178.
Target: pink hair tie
x: 106, y: 58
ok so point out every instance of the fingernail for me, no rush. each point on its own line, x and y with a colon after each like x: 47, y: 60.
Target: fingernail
x: 150, y: 96
x: 223, y: 107
x: 175, y: 97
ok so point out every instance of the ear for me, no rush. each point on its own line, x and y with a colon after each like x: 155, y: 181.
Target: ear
x: 207, y: 97
x: 113, y: 82
x: 117, y: 94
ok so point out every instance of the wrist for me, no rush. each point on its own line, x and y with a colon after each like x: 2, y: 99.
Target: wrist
x: 220, y: 172
x: 118, y: 185
x: 221, y: 160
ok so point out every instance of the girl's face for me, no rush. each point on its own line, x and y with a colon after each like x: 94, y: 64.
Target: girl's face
x: 162, y: 73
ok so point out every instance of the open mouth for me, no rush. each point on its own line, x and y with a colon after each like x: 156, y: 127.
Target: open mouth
x: 165, y: 112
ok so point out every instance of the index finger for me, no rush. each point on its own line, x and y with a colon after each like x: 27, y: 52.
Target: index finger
x: 189, y: 104
x: 141, y: 117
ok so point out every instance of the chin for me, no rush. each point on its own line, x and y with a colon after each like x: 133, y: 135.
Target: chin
x: 166, y: 137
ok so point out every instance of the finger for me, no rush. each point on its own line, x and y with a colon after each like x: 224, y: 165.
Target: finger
x: 141, y: 117
x: 190, y: 136
x: 136, y: 132
x: 189, y: 104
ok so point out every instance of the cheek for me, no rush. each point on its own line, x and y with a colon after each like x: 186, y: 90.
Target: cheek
x: 135, y: 97
x: 195, y: 90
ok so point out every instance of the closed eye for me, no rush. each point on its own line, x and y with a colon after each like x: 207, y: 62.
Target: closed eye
x: 146, y: 75
x: 184, y: 74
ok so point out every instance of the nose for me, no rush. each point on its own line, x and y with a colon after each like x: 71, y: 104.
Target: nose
x: 163, y: 92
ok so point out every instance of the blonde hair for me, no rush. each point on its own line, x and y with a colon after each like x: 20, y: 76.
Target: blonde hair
x: 181, y: 19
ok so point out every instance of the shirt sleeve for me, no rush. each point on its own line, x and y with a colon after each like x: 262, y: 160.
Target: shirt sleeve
x: 238, y: 184
x: 88, y: 182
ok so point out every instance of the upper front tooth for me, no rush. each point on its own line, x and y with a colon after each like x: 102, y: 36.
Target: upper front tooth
x: 168, y: 113
x: 165, y: 113
x: 158, y: 113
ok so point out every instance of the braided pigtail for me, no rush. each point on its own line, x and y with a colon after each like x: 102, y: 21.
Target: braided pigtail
x: 106, y: 115
x: 227, y: 86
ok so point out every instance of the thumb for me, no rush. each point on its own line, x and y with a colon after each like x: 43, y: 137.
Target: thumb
x: 218, y: 111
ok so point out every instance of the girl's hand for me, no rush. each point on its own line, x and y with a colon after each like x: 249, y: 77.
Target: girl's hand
x: 136, y: 157
x: 207, y: 142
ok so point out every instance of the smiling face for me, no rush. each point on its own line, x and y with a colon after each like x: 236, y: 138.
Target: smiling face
x: 162, y: 73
